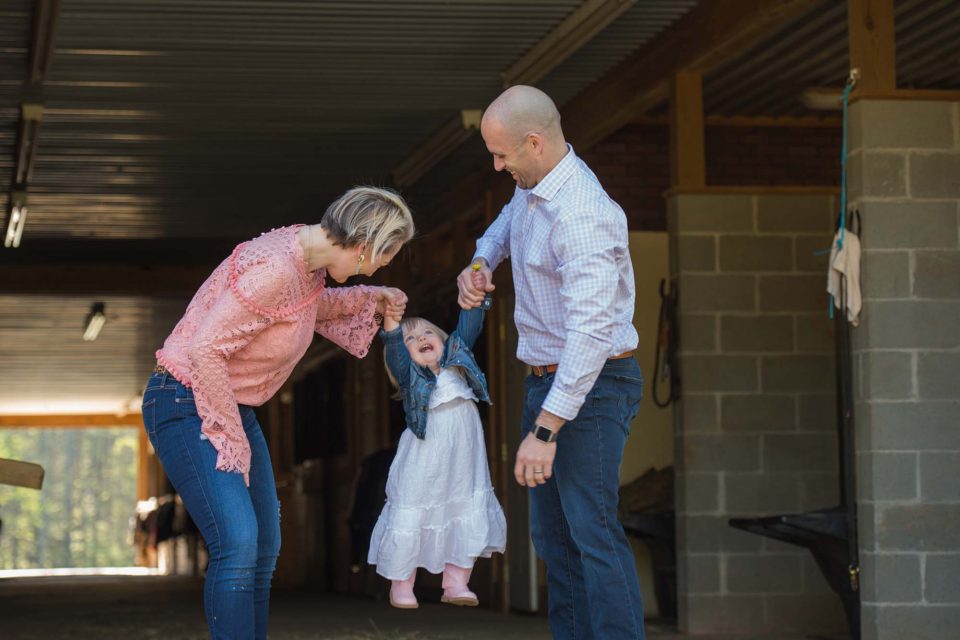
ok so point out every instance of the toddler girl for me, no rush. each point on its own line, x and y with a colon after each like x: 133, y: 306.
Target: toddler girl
x: 441, y: 513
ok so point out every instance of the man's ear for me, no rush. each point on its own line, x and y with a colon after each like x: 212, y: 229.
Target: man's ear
x: 536, y: 143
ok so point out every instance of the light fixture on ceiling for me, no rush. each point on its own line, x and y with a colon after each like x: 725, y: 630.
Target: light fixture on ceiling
x: 95, y: 321
x: 450, y: 136
x: 822, y: 99
x: 566, y: 39
x: 16, y: 219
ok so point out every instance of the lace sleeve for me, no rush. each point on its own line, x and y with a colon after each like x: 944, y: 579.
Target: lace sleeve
x: 259, y: 289
x: 227, y: 328
x: 346, y: 317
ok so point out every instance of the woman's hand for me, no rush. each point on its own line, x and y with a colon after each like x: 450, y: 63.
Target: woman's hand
x: 391, y: 302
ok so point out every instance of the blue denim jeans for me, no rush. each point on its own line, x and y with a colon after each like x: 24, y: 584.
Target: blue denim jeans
x: 240, y: 524
x: 592, y: 587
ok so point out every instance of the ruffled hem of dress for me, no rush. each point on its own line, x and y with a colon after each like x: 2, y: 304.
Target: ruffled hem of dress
x: 397, y: 552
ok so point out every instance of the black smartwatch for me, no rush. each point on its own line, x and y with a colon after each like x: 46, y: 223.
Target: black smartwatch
x: 543, y: 434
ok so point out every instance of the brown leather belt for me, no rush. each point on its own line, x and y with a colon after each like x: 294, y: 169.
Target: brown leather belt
x: 541, y: 371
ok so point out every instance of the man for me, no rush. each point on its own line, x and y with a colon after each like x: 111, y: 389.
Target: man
x: 567, y: 243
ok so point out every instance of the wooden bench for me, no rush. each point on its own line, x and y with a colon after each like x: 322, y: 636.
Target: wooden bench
x: 21, y: 474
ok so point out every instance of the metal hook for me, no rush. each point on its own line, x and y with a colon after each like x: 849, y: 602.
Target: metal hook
x: 854, y: 76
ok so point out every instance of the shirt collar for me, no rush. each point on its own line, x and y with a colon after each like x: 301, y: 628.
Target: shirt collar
x: 551, y: 183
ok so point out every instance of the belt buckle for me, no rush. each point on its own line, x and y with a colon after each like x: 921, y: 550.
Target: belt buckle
x: 160, y: 369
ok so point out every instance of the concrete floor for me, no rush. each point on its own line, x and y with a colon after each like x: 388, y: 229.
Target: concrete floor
x: 145, y: 608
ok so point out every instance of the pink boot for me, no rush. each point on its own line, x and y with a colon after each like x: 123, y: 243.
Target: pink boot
x: 455, y: 589
x: 401, y: 593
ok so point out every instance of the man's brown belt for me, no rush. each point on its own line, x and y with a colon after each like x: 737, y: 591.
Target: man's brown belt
x: 541, y: 371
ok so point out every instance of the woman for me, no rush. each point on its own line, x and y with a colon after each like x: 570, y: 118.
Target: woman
x: 241, y: 336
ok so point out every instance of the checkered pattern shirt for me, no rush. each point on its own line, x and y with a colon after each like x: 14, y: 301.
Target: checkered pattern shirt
x: 572, y: 275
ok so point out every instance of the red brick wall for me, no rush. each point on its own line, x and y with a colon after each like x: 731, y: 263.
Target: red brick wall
x: 634, y: 164
x: 773, y: 156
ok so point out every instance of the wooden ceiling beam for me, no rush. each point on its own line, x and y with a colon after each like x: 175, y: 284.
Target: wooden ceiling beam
x: 568, y: 37
x: 812, y: 122
x: 70, y: 421
x: 708, y: 35
x: 102, y: 279
x: 154, y: 251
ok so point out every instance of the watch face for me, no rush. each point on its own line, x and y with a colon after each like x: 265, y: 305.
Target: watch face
x: 543, y: 434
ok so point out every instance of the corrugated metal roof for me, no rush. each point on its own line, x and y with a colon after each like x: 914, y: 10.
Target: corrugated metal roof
x: 176, y: 118
x: 223, y: 118
x: 812, y: 52
x: 48, y: 368
x: 635, y: 28
x: 213, y: 118
x: 15, y: 21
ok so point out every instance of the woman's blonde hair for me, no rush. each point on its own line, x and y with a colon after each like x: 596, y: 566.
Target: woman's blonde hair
x: 407, y: 324
x: 371, y: 216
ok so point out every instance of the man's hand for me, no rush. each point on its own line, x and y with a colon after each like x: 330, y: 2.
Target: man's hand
x: 534, y: 461
x: 474, y: 283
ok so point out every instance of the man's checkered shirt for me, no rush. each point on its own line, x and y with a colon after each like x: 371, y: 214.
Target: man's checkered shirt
x: 573, y: 278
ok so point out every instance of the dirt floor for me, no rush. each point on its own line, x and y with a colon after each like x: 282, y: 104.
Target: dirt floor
x: 144, y: 608
x: 154, y: 608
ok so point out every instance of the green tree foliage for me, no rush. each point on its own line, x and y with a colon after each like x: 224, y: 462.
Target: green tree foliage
x: 81, y: 517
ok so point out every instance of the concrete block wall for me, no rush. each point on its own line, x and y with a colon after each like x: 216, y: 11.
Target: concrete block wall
x: 755, y: 431
x: 904, y: 177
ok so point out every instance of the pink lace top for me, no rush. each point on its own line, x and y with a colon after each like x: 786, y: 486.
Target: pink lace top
x: 249, y: 325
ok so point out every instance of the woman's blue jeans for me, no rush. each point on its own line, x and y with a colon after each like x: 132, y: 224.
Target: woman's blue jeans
x: 240, y: 524
x: 592, y: 587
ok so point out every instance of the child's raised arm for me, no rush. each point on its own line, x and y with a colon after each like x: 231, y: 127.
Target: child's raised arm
x: 395, y: 353
x: 389, y: 322
x: 469, y: 325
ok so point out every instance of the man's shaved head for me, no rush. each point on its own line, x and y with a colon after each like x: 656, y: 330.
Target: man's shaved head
x: 521, y: 110
x: 521, y: 129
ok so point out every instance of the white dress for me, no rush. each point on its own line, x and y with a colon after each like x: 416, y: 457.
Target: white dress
x: 440, y: 503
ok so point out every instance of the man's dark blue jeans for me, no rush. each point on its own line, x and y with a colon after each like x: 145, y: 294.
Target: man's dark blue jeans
x: 240, y: 524
x: 592, y: 587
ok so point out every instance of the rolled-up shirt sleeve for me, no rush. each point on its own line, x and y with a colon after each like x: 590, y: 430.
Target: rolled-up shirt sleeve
x: 587, y: 255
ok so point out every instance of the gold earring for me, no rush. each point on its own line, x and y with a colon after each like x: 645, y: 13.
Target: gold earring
x: 360, y: 259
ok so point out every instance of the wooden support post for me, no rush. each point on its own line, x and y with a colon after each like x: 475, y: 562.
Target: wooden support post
x: 872, y: 44
x: 687, y: 163
x: 143, y: 465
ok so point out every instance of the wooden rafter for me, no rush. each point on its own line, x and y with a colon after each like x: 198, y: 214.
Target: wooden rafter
x: 705, y: 37
x: 102, y: 279
x: 69, y: 421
